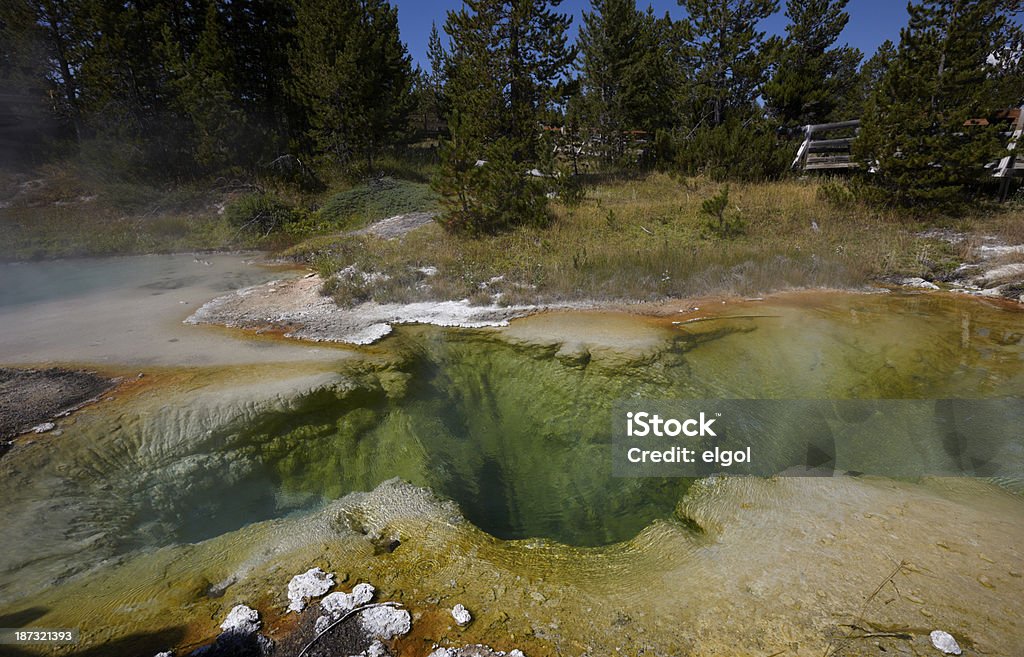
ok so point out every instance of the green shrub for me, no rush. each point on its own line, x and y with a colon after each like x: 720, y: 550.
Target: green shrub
x: 491, y: 198
x: 262, y: 212
x: 377, y: 199
x: 664, y: 152
x: 348, y: 288
x: 836, y: 194
x: 291, y: 170
x: 570, y: 189
x: 734, y: 151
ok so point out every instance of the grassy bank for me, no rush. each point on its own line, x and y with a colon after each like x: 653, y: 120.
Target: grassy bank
x: 647, y: 238
x: 630, y: 238
x: 65, y: 210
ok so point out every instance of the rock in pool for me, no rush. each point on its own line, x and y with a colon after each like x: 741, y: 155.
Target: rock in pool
x: 945, y: 642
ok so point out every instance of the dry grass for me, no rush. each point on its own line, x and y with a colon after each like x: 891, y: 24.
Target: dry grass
x: 57, y: 211
x: 645, y: 239
x: 631, y: 238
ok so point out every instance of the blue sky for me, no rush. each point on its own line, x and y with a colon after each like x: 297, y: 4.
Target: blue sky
x: 871, y: 21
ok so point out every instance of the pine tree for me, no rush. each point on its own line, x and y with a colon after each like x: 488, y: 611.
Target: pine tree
x: 127, y: 92
x: 657, y: 74
x: 60, y: 26
x: 725, y: 48
x: 869, y: 78
x: 23, y: 73
x: 1007, y: 72
x: 438, y: 73
x: 811, y: 77
x: 203, y: 94
x: 915, y: 135
x: 505, y: 61
x: 624, y: 65
x: 428, y: 85
x: 259, y: 35
x: 353, y: 76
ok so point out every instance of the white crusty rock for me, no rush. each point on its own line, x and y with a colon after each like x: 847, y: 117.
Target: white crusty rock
x: 241, y: 620
x: 376, y: 649
x: 461, y: 615
x: 476, y: 650
x: 945, y: 642
x: 385, y: 622
x: 310, y: 584
x: 338, y: 603
x: 166, y: 653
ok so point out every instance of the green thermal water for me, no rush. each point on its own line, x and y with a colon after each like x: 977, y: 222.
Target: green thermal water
x: 516, y: 432
x: 519, y: 435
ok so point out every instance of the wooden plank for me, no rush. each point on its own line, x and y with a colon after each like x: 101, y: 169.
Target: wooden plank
x: 802, y: 151
x: 829, y: 157
x: 807, y: 156
x: 829, y: 146
x: 1008, y: 165
x: 842, y: 141
x: 838, y: 163
x: 824, y: 127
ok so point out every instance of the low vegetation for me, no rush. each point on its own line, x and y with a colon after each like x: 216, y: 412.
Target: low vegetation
x: 618, y: 237
x: 652, y: 237
x: 63, y: 211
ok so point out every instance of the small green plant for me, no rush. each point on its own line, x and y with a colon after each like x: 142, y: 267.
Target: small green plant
x: 580, y: 259
x: 1016, y: 200
x: 721, y: 223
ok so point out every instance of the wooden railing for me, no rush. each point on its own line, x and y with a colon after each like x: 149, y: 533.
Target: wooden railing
x: 826, y: 154
x: 1011, y: 164
x: 819, y: 154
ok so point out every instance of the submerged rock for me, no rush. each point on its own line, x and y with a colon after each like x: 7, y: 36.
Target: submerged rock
x: 385, y: 622
x: 461, y: 615
x: 477, y: 650
x: 310, y: 584
x: 241, y: 620
x: 376, y: 649
x: 338, y: 603
x: 945, y: 642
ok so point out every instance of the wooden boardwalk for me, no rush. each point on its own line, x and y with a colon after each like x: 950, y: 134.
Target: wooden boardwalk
x: 817, y: 152
x: 1012, y: 164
